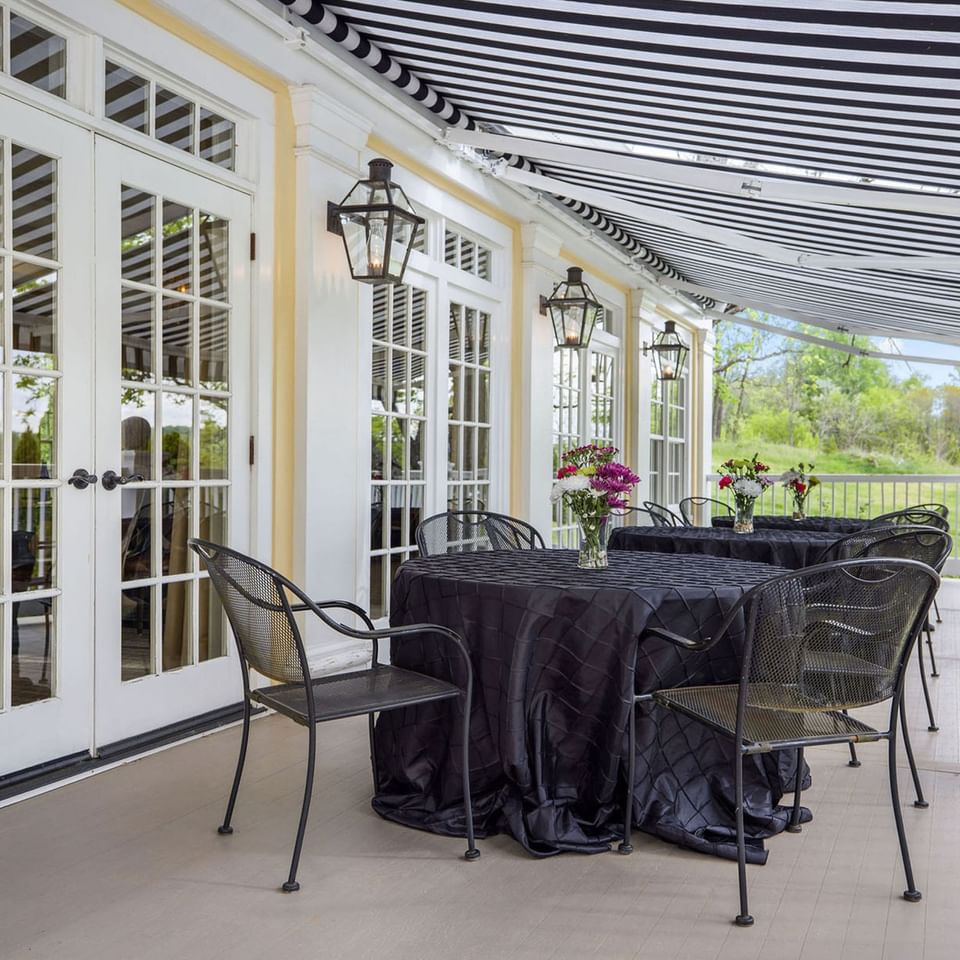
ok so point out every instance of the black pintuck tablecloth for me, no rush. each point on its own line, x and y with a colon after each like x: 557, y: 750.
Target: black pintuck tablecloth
x: 552, y: 648
x: 839, y: 525
x: 785, y: 548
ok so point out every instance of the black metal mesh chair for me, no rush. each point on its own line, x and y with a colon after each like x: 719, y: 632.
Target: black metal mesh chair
x: 690, y: 508
x: 912, y: 517
x: 816, y: 642
x: 636, y: 516
x: 940, y: 508
x: 469, y: 531
x: 663, y: 517
x: 257, y: 601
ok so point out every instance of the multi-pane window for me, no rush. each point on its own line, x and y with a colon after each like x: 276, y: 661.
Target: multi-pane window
x: 30, y: 374
x: 468, y: 409
x: 466, y: 254
x: 35, y: 55
x: 175, y: 406
x: 148, y: 107
x: 668, y: 441
x: 602, y: 398
x: 397, y: 432
x: 566, y: 433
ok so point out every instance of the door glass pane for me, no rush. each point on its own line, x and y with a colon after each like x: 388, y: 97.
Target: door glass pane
x: 34, y: 315
x: 136, y: 335
x: 213, y: 514
x: 177, y: 342
x: 217, y: 139
x: 177, y: 247
x: 175, y: 526
x: 214, y: 248
x: 126, y: 97
x: 33, y: 647
x: 37, y: 56
x: 34, y: 195
x: 213, y: 439
x: 136, y: 527
x: 177, y: 624
x: 213, y: 634
x: 136, y: 632
x: 177, y: 419
x: 137, y: 232
x: 214, y: 347
x: 32, y: 546
x: 136, y: 432
x: 33, y: 420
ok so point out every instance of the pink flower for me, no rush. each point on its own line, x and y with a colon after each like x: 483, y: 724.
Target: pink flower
x: 725, y: 481
x: 566, y: 471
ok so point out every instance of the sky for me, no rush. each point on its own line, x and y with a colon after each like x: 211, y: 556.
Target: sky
x: 935, y: 374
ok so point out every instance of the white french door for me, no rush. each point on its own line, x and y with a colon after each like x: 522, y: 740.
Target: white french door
x: 46, y: 355
x: 172, y: 289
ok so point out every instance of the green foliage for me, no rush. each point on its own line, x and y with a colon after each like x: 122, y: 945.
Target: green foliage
x: 849, y: 413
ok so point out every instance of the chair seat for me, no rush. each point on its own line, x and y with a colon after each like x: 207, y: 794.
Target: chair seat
x: 353, y: 694
x: 765, y: 728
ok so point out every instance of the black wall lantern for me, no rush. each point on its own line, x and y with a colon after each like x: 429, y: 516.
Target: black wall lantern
x: 669, y: 352
x: 573, y: 309
x: 378, y: 226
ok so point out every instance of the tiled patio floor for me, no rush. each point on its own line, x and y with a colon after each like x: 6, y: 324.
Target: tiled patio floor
x: 127, y: 866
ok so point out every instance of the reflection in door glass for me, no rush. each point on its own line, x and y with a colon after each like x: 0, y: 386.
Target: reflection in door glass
x: 136, y: 632
x: 213, y: 514
x: 213, y: 257
x: 175, y: 526
x: 137, y: 233
x: 177, y: 342
x: 214, y: 347
x: 213, y: 634
x: 136, y: 542
x: 34, y: 195
x: 34, y: 315
x: 177, y: 247
x: 33, y: 547
x: 33, y: 629
x: 33, y: 412
x: 136, y: 432
x: 177, y: 418
x: 136, y: 335
x: 37, y: 56
x: 213, y: 438
x: 177, y: 624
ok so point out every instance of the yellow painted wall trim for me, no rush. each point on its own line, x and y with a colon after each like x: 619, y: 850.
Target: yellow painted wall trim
x: 284, y: 225
x: 594, y: 270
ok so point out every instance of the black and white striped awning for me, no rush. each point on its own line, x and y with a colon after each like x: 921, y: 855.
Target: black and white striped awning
x: 802, y: 158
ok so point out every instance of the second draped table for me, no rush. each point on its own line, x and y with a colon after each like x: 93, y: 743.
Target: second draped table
x: 552, y: 648
x: 838, y: 525
x: 793, y: 548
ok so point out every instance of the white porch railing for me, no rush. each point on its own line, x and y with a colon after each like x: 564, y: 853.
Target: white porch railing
x: 863, y: 495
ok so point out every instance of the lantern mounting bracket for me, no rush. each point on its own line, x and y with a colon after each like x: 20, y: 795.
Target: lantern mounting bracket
x: 333, y: 218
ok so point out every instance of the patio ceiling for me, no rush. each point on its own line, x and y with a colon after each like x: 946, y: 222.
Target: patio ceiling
x: 799, y: 158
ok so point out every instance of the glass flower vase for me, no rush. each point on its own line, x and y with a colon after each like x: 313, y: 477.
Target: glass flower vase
x: 743, y: 519
x: 593, y: 543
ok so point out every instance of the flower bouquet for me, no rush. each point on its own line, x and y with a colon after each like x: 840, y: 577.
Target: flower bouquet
x: 800, y: 481
x: 747, y: 481
x: 593, y: 485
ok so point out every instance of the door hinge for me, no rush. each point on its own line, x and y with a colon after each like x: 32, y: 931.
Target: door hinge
x: 251, y: 449
x: 253, y: 246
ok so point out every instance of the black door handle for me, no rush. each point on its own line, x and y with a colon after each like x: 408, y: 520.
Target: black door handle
x: 81, y: 479
x: 113, y: 480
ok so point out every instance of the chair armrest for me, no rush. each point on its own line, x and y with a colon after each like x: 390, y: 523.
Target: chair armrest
x: 336, y: 605
x: 679, y: 641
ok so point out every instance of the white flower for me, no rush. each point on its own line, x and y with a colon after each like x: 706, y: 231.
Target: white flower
x: 747, y: 487
x: 571, y: 484
x: 789, y: 476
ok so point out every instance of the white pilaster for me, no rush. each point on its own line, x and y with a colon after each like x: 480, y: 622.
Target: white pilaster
x: 331, y: 349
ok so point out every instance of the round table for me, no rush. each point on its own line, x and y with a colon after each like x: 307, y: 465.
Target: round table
x: 838, y: 525
x: 785, y: 548
x: 553, y: 650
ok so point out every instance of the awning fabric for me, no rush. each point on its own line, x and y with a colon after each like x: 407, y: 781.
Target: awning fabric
x: 857, y: 95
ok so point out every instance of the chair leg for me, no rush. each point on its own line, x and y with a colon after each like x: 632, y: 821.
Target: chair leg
x: 853, y: 761
x: 920, y: 801
x: 625, y: 846
x: 911, y: 893
x: 926, y: 693
x: 936, y: 610
x: 743, y: 918
x: 794, y: 825
x: 472, y: 852
x: 933, y: 660
x: 291, y: 885
x: 244, y: 739
x: 373, y: 754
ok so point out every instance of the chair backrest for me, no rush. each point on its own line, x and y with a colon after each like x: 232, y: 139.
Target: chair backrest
x: 255, y: 601
x: 940, y: 508
x: 853, y: 544
x: 690, y: 507
x: 833, y: 636
x: 913, y: 517
x: 926, y: 544
x: 636, y: 517
x: 469, y: 531
x: 662, y: 517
